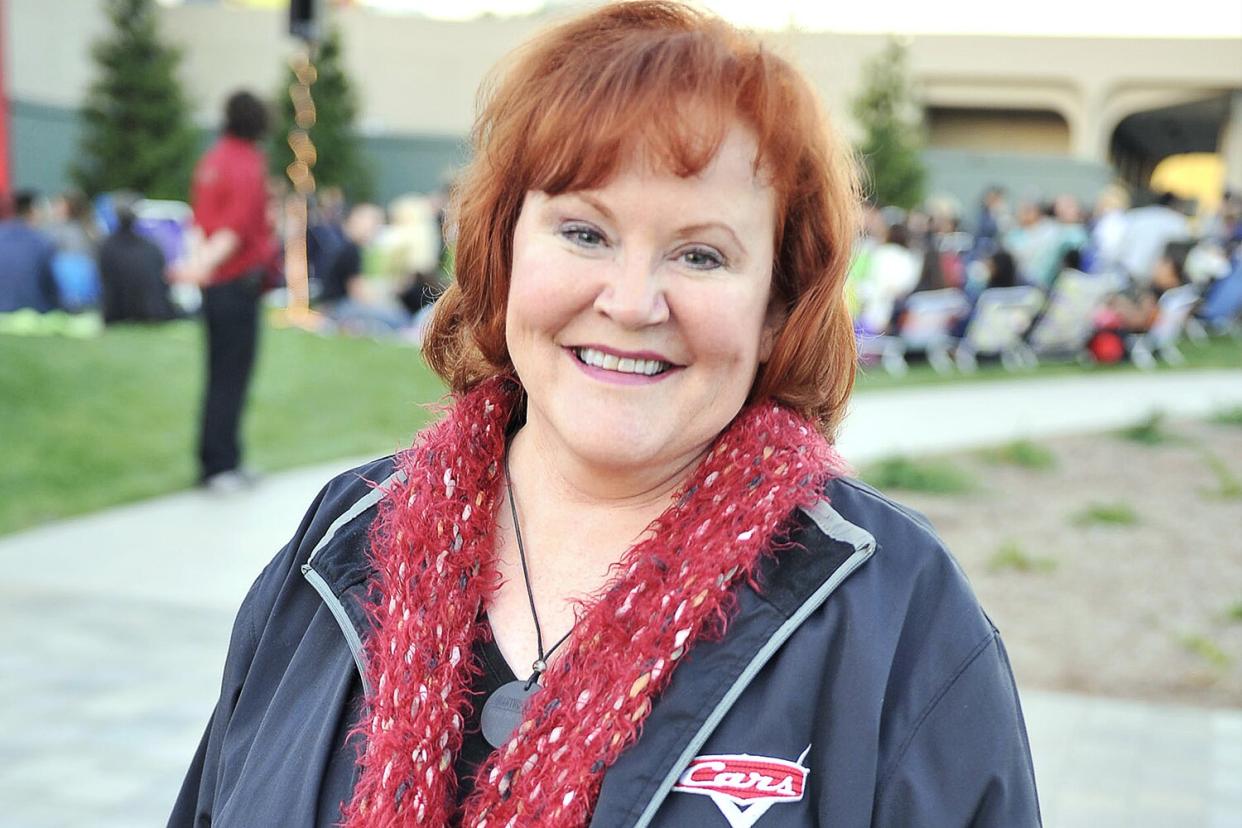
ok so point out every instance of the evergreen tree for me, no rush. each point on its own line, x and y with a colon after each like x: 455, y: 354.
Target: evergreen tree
x: 893, y: 136
x: 339, y: 160
x: 137, y: 134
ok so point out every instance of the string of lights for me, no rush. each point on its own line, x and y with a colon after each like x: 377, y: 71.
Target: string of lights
x: 301, y: 175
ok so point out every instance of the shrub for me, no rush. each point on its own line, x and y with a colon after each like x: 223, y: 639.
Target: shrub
x: 1108, y: 514
x: 1011, y: 555
x: 934, y: 476
x: 1024, y: 453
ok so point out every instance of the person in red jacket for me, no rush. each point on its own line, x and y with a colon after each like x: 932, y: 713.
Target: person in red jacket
x: 229, y: 198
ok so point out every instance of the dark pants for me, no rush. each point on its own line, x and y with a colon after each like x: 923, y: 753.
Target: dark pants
x: 231, y: 324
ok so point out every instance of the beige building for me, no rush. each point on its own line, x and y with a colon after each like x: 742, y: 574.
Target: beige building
x: 1037, y: 113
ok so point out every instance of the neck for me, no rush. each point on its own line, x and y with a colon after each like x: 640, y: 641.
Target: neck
x: 549, y: 468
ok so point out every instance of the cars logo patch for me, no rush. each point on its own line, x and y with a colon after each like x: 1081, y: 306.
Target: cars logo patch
x: 742, y: 786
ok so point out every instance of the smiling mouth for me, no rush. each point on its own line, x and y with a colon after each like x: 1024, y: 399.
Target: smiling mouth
x: 622, y: 365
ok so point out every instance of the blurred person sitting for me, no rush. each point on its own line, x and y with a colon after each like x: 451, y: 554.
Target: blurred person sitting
x: 1149, y: 230
x: 1034, y: 241
x: 931, y: 267
x: 1108, y: 229
x: 131, y: 271
x: 1134, y: 310
x: 893, y: 273
x: 996, y: 271
x: 72, y: 227
x: 417, y: 237
x: 930, y: 277
x: 994, y: 219
x: 1071, y: 239
x: 26, y: 278
x: 325, y: 233
x: 1224, y: 226
x: 75, y: 234
x: 1000, y: 269
x: 344, y: 298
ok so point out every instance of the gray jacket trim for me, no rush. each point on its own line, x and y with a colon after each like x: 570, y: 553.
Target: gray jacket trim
x: 365, y: 502
x: 342, y: 619
x: 352, y: 638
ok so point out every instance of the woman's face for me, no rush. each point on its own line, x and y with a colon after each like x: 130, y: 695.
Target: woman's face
x: 639, y: 312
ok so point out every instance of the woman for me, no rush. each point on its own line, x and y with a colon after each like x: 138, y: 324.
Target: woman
x: 622, y: 582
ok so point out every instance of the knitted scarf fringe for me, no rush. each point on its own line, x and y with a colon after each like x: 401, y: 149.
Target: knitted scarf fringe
x: 434, y: 555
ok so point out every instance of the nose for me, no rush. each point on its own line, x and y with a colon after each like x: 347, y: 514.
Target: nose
x: 633, y: 295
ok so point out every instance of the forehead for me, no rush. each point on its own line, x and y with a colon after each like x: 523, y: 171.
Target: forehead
x: 729, y: 183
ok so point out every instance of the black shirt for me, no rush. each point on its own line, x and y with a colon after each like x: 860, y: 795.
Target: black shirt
x: 474, y: 748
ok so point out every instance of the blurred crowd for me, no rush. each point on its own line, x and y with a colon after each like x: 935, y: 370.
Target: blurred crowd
x: 376, y: 271
x: 372, y: 271
x: 1131, y: 257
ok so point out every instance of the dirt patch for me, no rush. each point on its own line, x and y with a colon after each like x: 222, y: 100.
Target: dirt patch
x: 1141, y: 602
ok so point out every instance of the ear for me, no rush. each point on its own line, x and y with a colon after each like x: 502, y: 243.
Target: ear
x: 773, y: 321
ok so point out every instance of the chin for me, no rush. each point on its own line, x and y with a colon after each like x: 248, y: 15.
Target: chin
x: 620, y: 445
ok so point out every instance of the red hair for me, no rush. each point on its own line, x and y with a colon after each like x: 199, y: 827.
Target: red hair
x: 575, y: 103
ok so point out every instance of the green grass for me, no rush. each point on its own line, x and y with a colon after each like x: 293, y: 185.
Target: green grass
x: 1150, y: 431
x: 1233, y: 613
x: 87, y: 424
x: 1216, y: 352
x: 1228, y: 486
x: 904, y: 473
x: 1228, y: 416
x: 1011, y: 556
x: 1025, y: 453
x: 1206, y: 649
x: 1107, y: 514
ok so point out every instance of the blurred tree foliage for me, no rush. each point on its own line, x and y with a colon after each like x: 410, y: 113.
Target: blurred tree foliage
x: 891, y: 119
x: 339, y: 156
x: 137, y: 133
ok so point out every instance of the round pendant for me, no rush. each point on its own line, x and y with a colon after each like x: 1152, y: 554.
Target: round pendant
x: 502, y: 712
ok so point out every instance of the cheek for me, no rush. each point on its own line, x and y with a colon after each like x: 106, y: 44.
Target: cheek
x: 727, y: 325
x: 545, y: 293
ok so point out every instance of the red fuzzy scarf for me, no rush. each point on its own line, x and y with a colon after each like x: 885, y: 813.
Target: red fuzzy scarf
x: 434, y: 553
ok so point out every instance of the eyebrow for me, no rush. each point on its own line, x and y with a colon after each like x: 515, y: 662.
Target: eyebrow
x: 596, y: 203
x: 713, y: 225
x: 683, y: 231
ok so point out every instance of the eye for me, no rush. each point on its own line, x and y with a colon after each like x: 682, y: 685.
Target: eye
x: 702, y: 258
x: 583, y: 235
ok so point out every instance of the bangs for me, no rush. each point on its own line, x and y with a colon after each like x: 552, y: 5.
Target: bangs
x: 668, y: 101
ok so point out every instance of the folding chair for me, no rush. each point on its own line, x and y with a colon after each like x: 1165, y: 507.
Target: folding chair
x: 1068, y: 319
x: 1172, y: 311
x: 927, y: 325
x: 1002, y: 316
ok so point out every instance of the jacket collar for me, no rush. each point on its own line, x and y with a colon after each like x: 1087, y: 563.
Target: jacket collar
x: 823, y: 549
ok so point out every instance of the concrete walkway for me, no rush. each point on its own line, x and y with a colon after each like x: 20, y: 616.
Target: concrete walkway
x: 113, y: 628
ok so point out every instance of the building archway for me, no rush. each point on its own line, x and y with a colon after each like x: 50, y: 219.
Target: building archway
x: 1143, y: 139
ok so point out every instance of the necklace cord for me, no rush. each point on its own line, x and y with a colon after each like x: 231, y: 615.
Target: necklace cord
x: 541, y: 664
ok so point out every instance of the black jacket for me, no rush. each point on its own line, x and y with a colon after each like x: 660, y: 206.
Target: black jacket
x: 864, y: 686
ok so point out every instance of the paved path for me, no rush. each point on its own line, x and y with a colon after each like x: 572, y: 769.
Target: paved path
x: 113, y: 629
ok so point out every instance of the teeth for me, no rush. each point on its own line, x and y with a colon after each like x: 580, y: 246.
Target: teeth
x: 626, y: 365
